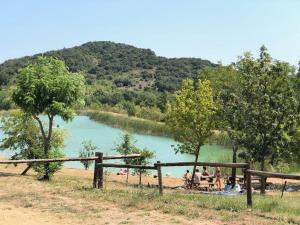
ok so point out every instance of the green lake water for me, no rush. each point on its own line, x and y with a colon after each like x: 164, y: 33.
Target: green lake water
x: 105, y: 138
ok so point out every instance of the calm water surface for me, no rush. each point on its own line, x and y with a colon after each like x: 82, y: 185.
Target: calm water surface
x: 106, y: 138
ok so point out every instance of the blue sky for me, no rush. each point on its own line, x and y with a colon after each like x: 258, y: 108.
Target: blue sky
x: 218, y: 30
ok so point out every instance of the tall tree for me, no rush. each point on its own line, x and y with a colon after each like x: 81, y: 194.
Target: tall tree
x: 190, y: 117
x: 47, y: 87
x: 268, y: 107
x: 225, y: 82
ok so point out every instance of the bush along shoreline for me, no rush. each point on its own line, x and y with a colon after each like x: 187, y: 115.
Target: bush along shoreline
x: 130, y: 124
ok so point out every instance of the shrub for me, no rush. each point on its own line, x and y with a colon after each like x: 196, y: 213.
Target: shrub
x: 53, y: 167
x: 87, y: 150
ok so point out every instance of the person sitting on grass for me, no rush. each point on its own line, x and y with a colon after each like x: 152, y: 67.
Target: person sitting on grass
x: 197, y: 178
x: 206, y: 175
x: 205, y: 171
x: 230, y: 183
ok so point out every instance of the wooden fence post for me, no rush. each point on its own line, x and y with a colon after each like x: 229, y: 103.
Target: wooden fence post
x: 249, y: 187
x: 140, y: 171
x: 159, y: 175
x: 99, y: 159
x: 100, y: 172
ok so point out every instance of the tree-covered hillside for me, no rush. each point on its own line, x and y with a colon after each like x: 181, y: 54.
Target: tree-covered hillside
x: 126, y: 66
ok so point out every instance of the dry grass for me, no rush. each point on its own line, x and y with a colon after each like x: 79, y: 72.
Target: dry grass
x: 69, y: 199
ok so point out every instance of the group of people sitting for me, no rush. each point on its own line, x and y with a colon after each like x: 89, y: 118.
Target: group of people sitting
x: 122, y: 171
x: 203, y: 175
x: 230, y: 184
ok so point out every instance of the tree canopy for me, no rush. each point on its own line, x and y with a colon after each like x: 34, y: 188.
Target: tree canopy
x: 48, y: 87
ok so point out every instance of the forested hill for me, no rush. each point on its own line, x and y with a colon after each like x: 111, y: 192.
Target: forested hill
x: 126, y: 66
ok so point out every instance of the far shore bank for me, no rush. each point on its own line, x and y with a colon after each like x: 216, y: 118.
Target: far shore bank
x: 145, y: 126
x: 139, y: 125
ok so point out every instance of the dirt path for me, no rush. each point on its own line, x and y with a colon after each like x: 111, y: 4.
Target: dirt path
x: 13, y: 215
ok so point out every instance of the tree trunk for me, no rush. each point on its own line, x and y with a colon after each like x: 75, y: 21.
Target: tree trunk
x: 46, y: 165
x: 194, y: 169
x: 234, y: 153
x: 127, y: 174
x: 47, y: 172
x: 47, y: 146
x: 263, y: 179
x: 46, y: 140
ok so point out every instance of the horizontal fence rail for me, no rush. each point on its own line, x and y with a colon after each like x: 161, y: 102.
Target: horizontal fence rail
x: 274, y: 175
x: 126, y: 166
x: 231, y: 165
x: 68, y: 159
x: 129, y: 156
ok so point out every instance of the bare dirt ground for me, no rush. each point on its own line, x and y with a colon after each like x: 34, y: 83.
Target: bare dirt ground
x: 12, y: 214
x: 26, y: 201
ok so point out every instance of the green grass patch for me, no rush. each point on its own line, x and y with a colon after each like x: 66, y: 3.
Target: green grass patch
x: 189, y: 204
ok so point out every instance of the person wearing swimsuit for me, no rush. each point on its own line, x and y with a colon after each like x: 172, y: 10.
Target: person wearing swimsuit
x: 218, y: 178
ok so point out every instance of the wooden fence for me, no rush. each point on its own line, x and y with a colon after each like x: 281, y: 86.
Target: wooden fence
x: 245, y: 166
x: 99, y: 165
x: 98, y: 159
x: 264, y: 174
